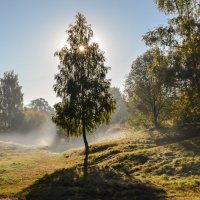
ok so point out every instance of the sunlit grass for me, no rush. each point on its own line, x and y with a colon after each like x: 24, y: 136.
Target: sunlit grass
x: 163, y: 160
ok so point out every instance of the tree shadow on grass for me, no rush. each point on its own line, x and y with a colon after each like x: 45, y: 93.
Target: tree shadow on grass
x: 177, y: 134
x: 69, y: 184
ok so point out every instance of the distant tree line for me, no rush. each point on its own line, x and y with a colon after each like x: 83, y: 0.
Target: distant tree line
x: 11, y: 101
x: 163, y: 86
x: 13, y: 115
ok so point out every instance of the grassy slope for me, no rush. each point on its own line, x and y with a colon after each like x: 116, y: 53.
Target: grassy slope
x: 147, y: 165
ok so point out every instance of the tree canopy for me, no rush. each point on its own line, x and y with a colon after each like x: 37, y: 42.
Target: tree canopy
x: 40, y: 104
x: 11, y: 100
x: 179, y: 43
x: 120, y: 114
x: 81, y: 83
x: 147, y: 86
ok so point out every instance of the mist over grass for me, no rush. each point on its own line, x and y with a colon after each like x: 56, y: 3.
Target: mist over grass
x: 41, y: 136
x: 45, y: 134
x: 148, y: 164
x: 104, y: 133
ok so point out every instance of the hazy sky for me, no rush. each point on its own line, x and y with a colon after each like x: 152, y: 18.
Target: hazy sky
x: 32, y: 30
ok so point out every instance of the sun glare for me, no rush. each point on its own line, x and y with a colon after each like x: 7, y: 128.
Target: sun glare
x: 100, y: 40
x: 81, y: 48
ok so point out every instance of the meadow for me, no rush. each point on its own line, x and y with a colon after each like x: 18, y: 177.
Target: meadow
x: 149, y: 164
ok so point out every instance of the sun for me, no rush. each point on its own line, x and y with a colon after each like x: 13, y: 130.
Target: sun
x: 81, y: 48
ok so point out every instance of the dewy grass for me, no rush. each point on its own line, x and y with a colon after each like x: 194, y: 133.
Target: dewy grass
x: 164, y: 165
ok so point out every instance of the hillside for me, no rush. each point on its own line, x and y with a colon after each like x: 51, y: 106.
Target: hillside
x: 156, y: 164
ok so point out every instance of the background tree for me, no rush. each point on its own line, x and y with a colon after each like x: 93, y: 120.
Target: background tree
x: 34, y: 121
x: 37, y: 115
x: 2, y: 115
x: 40, y: 105
x: 11, y: 100
x: 181, y: 39
x: 82, y: 85
x: 147, y: 86
x: 120, y: 114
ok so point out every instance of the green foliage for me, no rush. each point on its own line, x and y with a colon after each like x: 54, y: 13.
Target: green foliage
x: 40, y: 105
x: 33, y: 120
x: 180, y: 38
x: 120, y: 114
x: 36, y: 115
x: 148, y: 87
x: 13, y: 117
x: 187, y: 107
x: 81, y: 82
x: 11, y: 101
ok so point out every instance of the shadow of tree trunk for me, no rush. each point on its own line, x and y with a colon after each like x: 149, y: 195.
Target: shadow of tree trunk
x: 68, y: 184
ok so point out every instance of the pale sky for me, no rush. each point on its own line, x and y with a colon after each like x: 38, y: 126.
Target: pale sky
x: 32, y: 30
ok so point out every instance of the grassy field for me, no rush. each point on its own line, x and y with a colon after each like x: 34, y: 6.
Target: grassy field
x: 156, y: 164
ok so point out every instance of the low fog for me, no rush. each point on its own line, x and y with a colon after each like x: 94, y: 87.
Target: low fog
x: 46, y: 137
x: 43, y: 136
x: 32, y: 125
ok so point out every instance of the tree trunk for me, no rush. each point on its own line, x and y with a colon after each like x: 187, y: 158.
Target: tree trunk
x: 155, y: 120
x: 86, y: 152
